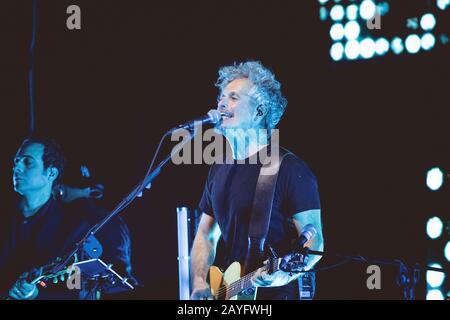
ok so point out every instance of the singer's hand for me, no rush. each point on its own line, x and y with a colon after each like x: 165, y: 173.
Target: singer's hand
x: 202, y: 292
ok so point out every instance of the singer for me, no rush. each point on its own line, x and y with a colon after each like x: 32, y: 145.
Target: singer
x: 252, y: 95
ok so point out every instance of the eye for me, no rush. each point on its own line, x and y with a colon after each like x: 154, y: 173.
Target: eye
x: 28, y: 162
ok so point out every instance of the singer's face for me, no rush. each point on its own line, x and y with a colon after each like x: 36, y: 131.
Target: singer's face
x: 235, y: 98
x: 29, y: 174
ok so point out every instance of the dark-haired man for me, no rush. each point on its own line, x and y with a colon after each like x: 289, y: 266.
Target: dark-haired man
x: 42, y: 228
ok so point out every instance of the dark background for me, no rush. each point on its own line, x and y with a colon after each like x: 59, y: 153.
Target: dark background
x: 368, y: 129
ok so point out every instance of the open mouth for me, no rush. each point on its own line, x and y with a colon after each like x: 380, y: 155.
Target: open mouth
x: 227, y: 114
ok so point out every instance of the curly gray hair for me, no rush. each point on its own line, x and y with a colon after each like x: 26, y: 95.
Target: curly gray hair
x: 267, y: 90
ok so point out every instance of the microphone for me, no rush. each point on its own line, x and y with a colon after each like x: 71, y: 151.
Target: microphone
x: 308, y: 232
x: 213, y: 116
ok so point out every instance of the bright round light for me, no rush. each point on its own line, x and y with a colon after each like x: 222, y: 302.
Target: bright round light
x: 435, y: 294
x: 435, y: 179
x: 447, y: 251
x: 367, y: 48
x: 427, y: 41
x: 367, y: 9
x: 352, y: 12
x: 435, y: 278
x: 397, y: 45
x: 352, y: 49
x: 337, y: 31
x: 381, y: 46
x: 352, y: 30
x: 337, y: 12
x: 443, y: 4
x: 412, y: 43
x: 337, y: 51
x: 434, y: 227
x: 428, y: 21
x: 323, y: 1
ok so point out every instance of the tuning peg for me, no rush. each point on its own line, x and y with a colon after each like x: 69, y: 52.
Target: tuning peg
x: 148, y: 186
x: 139, y: 194
x: 55, y: 280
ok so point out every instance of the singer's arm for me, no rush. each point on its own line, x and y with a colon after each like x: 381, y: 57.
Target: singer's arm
x: 300, y: 220
x: 202, y: 256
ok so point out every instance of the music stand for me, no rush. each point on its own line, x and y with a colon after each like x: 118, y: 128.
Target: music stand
x: 108, y: 280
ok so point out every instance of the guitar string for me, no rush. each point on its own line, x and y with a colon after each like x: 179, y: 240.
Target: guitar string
x: 236, y: 285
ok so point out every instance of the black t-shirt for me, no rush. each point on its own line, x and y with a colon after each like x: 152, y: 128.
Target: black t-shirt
x: 228, y: 197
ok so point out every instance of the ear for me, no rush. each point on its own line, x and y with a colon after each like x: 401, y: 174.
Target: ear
x: 53, y: 173
x: 260, y: 113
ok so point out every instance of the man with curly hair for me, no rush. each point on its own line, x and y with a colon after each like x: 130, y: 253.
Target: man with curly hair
x: 251, y: 94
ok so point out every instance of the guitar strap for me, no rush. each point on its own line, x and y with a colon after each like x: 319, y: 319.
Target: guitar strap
x: 262, y: 207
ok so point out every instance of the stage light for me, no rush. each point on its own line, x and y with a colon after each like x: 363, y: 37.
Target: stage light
x: 352, y: 49
x: 337, y: 51
x: 434, y: 227
x: 435, y: 294
x: 435, y: 278
x: 337, y: 12
x: 337, y: 31
x: 352, y: 12
x: 323, y: 14
x: 435, y: 179
x: 381, y: 46
x: 352, y: 30
x: 427, y: 22
x: 428, y: 41
x: 442, y: 4
x: 367, y: 9
x: 367, y: 48
x: 412, y: 43
x: 447, y: 251
x: 397, y: 45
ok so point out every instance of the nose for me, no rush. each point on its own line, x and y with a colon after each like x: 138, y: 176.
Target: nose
x: 17, y: 167
x: 221, y: 105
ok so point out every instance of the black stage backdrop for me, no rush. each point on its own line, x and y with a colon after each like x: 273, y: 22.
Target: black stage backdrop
x: 368, y: 129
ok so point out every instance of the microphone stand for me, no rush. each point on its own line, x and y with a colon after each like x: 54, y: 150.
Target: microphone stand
x: 408, y: 276
x: 136, y: 191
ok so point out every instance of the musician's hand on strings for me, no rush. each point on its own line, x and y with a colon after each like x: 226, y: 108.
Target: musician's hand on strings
x: 263, y: 278
x: 290, y: 267
x: 22, y: 290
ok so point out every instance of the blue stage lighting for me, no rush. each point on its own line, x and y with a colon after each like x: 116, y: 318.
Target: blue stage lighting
x: 352, y: 49
x: 412, y: 43
x: 337, y: 31
x: 337, y: 51
x: 337, y: 12
x: 381, y: 46
x: 397, y: 45
x: 428, y: 21
x: 352, y: 30
x: 435, y: 178
x: 352, y: 12
x: 367, y: 9
x: 434, y: 227
x: 428, y: 41
x: 367, y: 48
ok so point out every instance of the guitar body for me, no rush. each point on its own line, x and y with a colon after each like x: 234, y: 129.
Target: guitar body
x: 218, y: 280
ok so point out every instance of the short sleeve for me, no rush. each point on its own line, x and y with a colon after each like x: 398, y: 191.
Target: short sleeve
x: 298, y: 186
